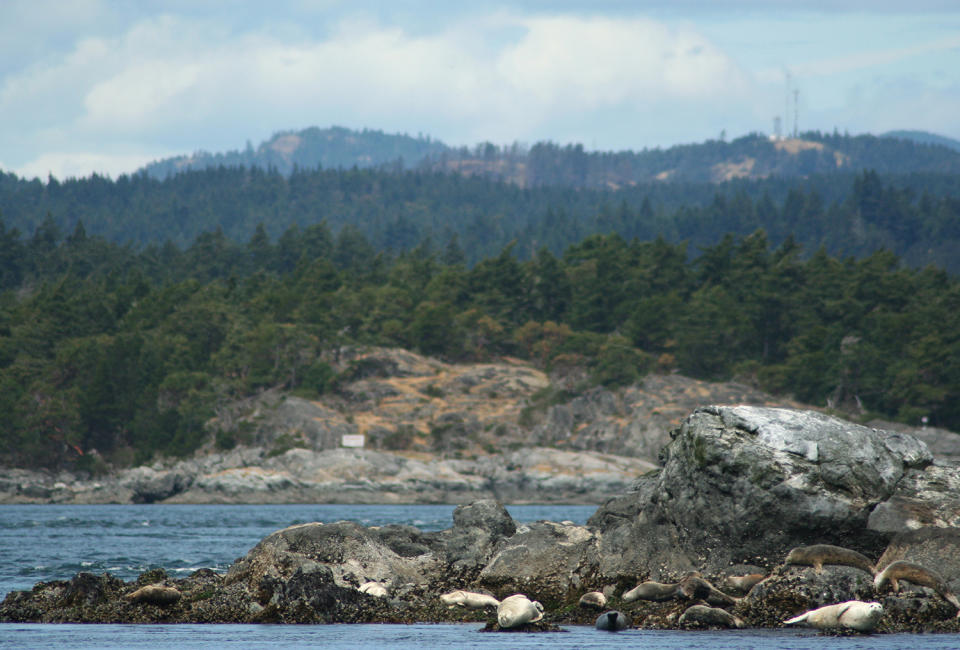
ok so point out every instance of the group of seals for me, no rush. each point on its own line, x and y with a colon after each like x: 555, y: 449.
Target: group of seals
x: 855, y: 614
x: 861, y: 616
x: 691, y: 587
x: 707, y: 612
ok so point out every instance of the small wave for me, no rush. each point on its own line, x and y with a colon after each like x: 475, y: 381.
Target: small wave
x: 191, y: 569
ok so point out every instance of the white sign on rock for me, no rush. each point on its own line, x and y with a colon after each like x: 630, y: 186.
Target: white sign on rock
x: 353, y: 440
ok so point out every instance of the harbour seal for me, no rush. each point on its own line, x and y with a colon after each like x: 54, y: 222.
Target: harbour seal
x: 468, y: 599
x: 517, y: 610
x: 373, y: 589
x: 613, y: 621
x: 658, y: 591
x: 915, y: 574
x: 819, y: 554
x: 704, y: 616
x: 593, y: 599
x: 694, y: 587
x: 853, y: 614
x: 745, y: 583
x: 155, y: 595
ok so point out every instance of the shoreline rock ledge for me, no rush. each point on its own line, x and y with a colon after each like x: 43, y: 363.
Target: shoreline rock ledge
x: 738, y: 487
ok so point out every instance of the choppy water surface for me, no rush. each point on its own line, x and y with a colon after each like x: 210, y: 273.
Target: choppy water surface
x: 55, y: 542
x: 418, y: 637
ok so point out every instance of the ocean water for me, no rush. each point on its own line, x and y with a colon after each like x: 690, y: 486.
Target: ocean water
x: 54, y: 542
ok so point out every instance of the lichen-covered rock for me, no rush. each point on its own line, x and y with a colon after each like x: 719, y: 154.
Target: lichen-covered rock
x: 744, y: 484
x: 550, y: 559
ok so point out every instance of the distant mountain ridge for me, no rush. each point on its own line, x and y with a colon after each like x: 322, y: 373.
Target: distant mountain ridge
x: 335, y: 147
x: 924, y: 137
x: 751, y: 157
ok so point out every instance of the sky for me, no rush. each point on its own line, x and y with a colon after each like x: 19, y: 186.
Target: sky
x: 106, y: 86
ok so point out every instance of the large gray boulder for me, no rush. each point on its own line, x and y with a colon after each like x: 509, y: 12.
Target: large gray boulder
x: 745, y: 484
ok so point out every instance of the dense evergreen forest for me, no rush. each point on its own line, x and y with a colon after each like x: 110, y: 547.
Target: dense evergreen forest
x: 131, y: 310
x: 129, y: 351
x: 914, y: 215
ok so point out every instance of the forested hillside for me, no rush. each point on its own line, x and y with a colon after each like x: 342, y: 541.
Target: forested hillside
x: 916, y: 215
x: 129, y: 352
x: 545, y: 163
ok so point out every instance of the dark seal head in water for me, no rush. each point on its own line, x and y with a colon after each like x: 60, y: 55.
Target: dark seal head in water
x: 613, y: 621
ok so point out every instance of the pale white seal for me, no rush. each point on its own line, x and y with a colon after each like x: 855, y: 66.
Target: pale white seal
x: 517, y: 610
x: 853, y: 614
x: 375, y: 589
x: 468, y: 599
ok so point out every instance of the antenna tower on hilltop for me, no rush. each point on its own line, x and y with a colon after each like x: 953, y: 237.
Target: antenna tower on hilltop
x: 796, y: 112
x: 786, y: 104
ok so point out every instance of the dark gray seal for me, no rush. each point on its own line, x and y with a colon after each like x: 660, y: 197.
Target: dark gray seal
x: 613, y: 621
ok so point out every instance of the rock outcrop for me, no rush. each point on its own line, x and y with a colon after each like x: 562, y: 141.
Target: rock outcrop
x: 440, y: 433
x: 739, y: 486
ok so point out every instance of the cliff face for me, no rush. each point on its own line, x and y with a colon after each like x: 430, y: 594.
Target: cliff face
x: 432, y: 433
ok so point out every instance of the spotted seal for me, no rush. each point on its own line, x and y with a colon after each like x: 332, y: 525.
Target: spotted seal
x: 155, y: 595
x: 819, y: 554
x: 915, y: 574
x: 705, y: 616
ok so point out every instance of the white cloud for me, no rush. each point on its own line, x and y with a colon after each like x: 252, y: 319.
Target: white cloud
x: 176, y: 83
x: 166, y: 75
x: 72, y: 164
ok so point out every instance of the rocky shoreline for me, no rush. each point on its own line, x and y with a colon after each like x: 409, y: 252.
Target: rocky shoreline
x: 737, y: 488
x: 249, y: 475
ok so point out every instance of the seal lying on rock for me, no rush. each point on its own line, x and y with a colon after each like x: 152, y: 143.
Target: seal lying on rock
x: 658, y: 591
x: 468, y: 599
x: 517, y: 610
x: 373, y: 589
x: 704, y: 616
x: 915, y: 574
x: 594, y: 599
x: 155, y: 595
x: 745, y: 583
x: 613, y: 621
x: 853, y: 614
x: 694, y: 587
x: 819, y: 554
